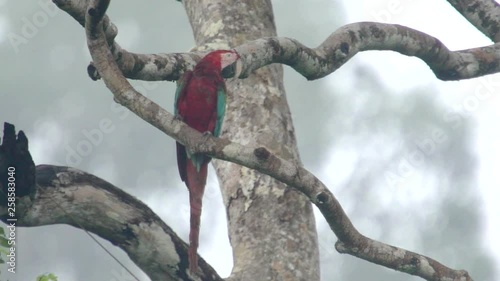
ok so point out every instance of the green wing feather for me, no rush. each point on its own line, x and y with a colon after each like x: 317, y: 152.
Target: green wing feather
x: 221, y: 109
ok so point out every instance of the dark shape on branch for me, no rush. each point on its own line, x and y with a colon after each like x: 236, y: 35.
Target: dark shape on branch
x: 262, y: 153
x: 92, y: 72
x: 16, y: 159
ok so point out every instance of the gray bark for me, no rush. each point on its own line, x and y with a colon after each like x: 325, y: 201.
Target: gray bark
x: 271, y: 226
x: 271, y: 240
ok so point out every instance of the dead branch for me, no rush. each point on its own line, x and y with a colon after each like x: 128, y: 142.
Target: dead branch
x: 261, y: 159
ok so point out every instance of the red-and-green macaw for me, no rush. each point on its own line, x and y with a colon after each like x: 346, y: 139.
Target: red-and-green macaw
x: 200, y: 101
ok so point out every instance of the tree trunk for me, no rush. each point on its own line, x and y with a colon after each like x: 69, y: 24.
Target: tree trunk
x: 271, y: 228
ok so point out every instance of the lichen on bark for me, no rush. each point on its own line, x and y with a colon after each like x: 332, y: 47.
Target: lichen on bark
x: 271, y: 228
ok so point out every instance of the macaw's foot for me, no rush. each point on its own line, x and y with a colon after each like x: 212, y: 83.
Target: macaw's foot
x: 177, y: 118
x: 206, y: 136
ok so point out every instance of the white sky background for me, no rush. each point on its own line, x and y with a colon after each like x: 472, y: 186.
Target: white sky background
x: 398, y: 73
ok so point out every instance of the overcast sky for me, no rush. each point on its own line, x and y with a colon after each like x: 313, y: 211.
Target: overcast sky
x: 444, y: 23
x: 357, y: 127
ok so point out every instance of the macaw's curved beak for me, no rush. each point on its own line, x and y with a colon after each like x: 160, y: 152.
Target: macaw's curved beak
x: 232, y: 70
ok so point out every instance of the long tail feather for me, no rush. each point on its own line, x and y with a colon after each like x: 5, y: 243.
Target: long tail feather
x: 196, y: 184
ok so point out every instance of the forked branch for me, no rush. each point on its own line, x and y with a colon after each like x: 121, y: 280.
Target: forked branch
x: 315, y: 63
x: 261, y: 159
x: 47, y: 195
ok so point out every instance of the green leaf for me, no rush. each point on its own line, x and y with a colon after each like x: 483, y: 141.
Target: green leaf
x: 4, y: 242
x: 4, y: 251
x: 47, y: 277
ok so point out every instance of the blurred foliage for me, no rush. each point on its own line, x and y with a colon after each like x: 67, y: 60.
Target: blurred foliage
x: 47, y: 277
x: 4, y: 246
x: 410, y: 180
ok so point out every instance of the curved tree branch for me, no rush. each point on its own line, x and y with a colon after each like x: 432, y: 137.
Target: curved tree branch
x: 70, y: 196
x: 483, y: 14
x: 149, y: 67
x: 261, y: 159
x: 350, y: 39
x: 268, y: 238
x: 315, y: 63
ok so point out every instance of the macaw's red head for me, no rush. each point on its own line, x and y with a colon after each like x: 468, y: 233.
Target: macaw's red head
x: 225, y: 62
